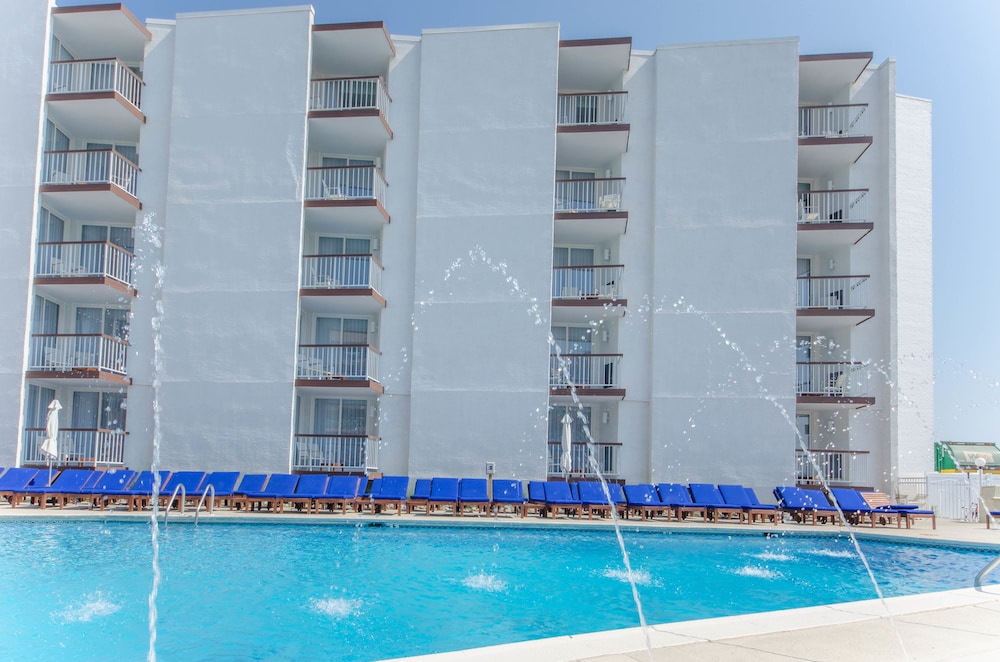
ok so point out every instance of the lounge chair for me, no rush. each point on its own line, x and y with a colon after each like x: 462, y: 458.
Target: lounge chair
x: 594, y: 499
x: 421, y: 492
x: 805, y: 504
x: 643, y: 500
x: 391, y: 492
x: 444, y: 492
x: 340, y: 490
x: 559, y: 497
x: 69, y: 492
x: 278, y: 486
x: 738, y: 495
x: 678, y: 499
x: 16, y: 478
x: 856, y: 509
x: 67, y: 481
x: 536, y: 498
x: 141, y: 487
x: 309, y: 488
x: 189, y: 481
x: 990, y: 516
x: 708, y: 495
x: 223, y: 485
x: 111, y: 480
x: 908, y: 512
x: 473, y: 493
x: 250, y: 484
x: 507, y: 494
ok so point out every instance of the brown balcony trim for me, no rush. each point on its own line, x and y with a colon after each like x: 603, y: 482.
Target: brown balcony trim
x: 359, y: 25
x: 839, y: 140
x: 74, y: 188
x: 363, y: 202
x: 866, y: 313
x: 589, y: 391
x: 111, y: 6
x: 821, y: 57
x: 87, y: 280
x: 342, y: 292
x: 88, y: 96
x: 593, y: 128
x: 352, y: 112
x: 342, y: 382
x: 79, y: 373
x: 603, y: 41
x: 812, y: 226
x: 582, y: 215
x: 591, y: 301
x: 860, y: 401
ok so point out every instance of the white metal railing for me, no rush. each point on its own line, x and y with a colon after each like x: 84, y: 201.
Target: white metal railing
x: 911, y: 489
x: 90, y: 166
x: 341, y: 272
x: 833, y: 292
x: 589, y: 194
x: 335, y: 452
x: 606, y: 456
x: 831, y: 379
x: 66, y: 352
x: 841, y: 206
x: 348, y: 94
x: 592, y: 108
x: 337, y: 362
x: 834, y: 121
x: 583, y: 282
x: 957, y: 495
x: 76, y: 76
x: 345, y: 183
x: 80, y: 447
x: 584, y: 370
x: 84, y: 259
x: 833, y: 468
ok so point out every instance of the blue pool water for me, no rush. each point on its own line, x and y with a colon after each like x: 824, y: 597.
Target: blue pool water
x: 79, y: 590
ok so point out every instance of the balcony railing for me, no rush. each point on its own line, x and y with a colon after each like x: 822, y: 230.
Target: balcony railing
x: 833, y: 468
x: 341, y: 272
x: 345, y: 183
x: 833, y: 292
x: 67, y: 352
x: 606, y: 456
x: 587, y: 282
x: 348, y: 94
x: 592, y: 108
x: 78, y: 447
x: 90, y: 166
x: 81, y: 76
x: 833, y: 121
x: 842, y: 206
x: 832, y: 379
x: 575, y: 195
x: 78, y: 259
x: 337, y: 362
x: 333, y: 453
x: 584, y: 370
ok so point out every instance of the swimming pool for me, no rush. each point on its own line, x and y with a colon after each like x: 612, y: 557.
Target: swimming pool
x: 79, y: 590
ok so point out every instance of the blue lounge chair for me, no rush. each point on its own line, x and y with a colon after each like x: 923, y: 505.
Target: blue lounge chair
x: 223, y: 485
x: 856, y: 510
x: 881, y: 502
x: 309, y: 488
x: 706, y: 494
x: 594, y: 499
x: 678, y: 499
x: 16, y: 478
x: 278, y: 487
x: 250, y: 484
x: 113, y: 479
x: 142, y: 486
x: 559, y: 497
x: 738, y: 495
x: 340, y: 490
x: 180, y: 483
x: 421, y: 492
x: 67, y: 481
x: 536, y: 498
x: 805, y: 504
x: 391, y: 491
x: 473, y: 493
x: 643, y: 500
x: 444, y: 492
x: 63, y: 496
x: 508, y: 494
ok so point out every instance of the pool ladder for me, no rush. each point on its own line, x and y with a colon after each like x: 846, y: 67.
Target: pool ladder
x: 990, y: 567
x: 180, y: 488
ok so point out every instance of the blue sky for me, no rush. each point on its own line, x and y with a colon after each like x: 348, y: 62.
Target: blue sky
x: 945, y: 51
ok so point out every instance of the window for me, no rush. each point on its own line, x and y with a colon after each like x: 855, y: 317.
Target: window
x: 44, y: 316
x: 575, y: 190
x: 577, y: 433
x: 340, y: 417
x: 572, y: 283
x: 36, y: 405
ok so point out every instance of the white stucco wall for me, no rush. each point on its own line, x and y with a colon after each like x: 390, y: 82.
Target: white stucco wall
x: 723, y: 307
x: 483, y: 243
x: 233, y: 218
x: 25, y: 37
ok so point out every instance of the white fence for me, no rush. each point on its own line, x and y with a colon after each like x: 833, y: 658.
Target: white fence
x: 956, y: 495
x: 604, y: 282
x: 337, y: 362
x: 604, y: 194
x: 84, y: 259
x: 606, y: 456
x: 334, y: 453
x: 584, y: 370
x: 345, y: 183
x: 79, y: 447
x: 837, y: 468
x: 90, y: 166
x: 600, y: 108
x: 66, y: 352
x: 833, y: 121
x: 833, y: 292
x: 82, y: 76
x: 341, y: 272
x: 830, y: 378
x: 348, y: 94
x: 842, y: 206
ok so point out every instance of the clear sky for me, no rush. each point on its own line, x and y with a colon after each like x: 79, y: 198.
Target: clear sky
x: 948, y: 52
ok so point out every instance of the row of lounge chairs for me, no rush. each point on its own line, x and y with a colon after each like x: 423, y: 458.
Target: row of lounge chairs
x: 313, y: 492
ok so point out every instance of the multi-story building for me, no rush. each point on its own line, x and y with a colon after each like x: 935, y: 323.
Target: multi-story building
x: 349, y: 251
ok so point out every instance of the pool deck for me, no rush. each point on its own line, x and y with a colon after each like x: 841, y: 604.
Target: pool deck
x: 963, y: 624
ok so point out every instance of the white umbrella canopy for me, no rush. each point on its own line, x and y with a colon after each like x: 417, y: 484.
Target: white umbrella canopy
x: 50, y: 446
x: 567, y: 443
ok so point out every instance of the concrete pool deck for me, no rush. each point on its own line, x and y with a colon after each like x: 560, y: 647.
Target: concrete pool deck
x: 962, y: 624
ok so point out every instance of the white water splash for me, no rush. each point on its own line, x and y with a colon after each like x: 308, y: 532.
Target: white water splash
x: 833, y: 553
x: 485, y: 582
x: 757, y: 571
x: 638, y: 576
x: 93, y: 606
x: 336, y: 607
x: 773, y: 556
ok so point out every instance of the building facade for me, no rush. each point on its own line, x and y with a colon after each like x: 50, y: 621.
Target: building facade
x: 417, y: 255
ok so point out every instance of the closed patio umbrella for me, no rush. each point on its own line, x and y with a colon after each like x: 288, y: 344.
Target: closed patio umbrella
x: 50, y: 445
x: 567, y: 443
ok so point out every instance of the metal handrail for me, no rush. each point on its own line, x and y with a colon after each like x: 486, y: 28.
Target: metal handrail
x: 210, y: 488
x: 179, y: 488
x: 990, y: 567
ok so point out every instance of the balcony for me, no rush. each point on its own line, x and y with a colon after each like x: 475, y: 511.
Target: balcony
x: 84, y: 271
x: 589, y: 210
x: 344, y: 283
x: 353, y: 197
x: 605, y: 456
x: 96, y: 98
x: 78, y: 447
x: 588, y: 375
x: 825, y: 302
x: 831, y: 136
x: 825, y: 385
x: 351, y: 49
x: 827, y: 77
x: 96, y: 357
x: 831, y: 219
x: 90, y: 185
x: 335, y: 453
x: 591, y: 128
x: 834, y: 468
x: 590, y: 288
x: 339, y: 366
x: 593, y: 64
x: 349, y: 115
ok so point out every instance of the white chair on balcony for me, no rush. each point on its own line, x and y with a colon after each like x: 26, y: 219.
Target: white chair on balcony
x: 335, y: 192
x: 836, y: 385
x: 610, y: 201
x: 58, y: 359
x: 311, y: 368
